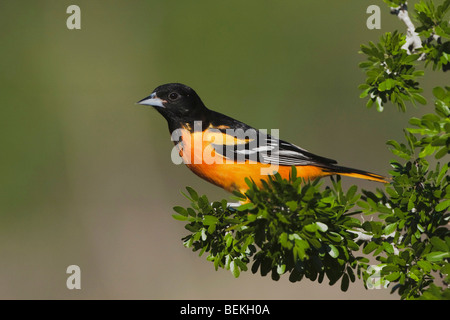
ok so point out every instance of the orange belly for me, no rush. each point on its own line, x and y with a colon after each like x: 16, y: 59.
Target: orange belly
x: 232, y: 176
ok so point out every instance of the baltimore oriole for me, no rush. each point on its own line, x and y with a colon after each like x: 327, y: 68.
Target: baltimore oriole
x: 225, y: 151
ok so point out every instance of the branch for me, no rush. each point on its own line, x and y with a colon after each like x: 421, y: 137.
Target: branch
x: 361, y: 235
x: 413, y: 41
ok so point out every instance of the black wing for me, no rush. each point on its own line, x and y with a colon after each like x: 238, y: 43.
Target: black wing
x: 242, y: 142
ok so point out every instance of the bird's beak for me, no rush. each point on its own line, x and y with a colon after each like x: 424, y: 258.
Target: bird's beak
x: 152, y: 100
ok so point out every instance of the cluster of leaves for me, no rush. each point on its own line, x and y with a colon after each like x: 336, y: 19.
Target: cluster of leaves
x: 414, y: 207
x: 391, y: 70
x: 391, y: 73
x: 434, y: 127
x: 290, y: 226
x: 435, y: 29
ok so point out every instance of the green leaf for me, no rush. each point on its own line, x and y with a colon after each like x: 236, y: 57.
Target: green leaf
x: 351, y: 193
x: 419, y: 98
x: 292, y: 205
x: 429, y: 149
x: 333, y: 251
x: 352, y: 245
x: 439, y: 244
x: 179, y: 217
x: 345, y: 282
x: 191, y: 212
x: 392, y: 276
x: 442, y: 205
x: 364, y: 65
x: 439, y: 93
x: 388, y: 247
x: 283, y: 239
x: 311, y: 227
x: 300, y: 248
x: 234, y: 269
x: 411, y: 58
x: 370, y: 247
x: 209, y: 220
x: 240, y: 264
x: 390, y: 228
x: 379, y: 104
x: 424, y: 265
x: 229, y: 240
x: 204, y: 235
x: 321, y: 226
x: 247, y: 206
x: 192, y: 193
x: 181, y: 210
x: 281, y: 268
x: 437, y: 256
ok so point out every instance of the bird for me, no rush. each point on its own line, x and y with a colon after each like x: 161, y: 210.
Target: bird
x: 225, y: 151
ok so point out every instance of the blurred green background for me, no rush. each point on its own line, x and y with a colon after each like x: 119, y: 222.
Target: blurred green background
x: 85, y: 173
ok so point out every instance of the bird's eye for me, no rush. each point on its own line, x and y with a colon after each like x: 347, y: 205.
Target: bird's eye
x: 173, y: 96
